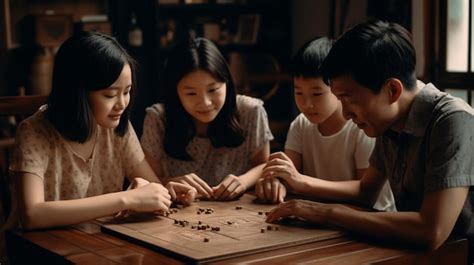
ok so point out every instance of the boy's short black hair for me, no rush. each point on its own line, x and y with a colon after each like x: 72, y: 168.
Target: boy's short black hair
x: 371, y: 53
x: 87, y: 61
x: 308, y: 59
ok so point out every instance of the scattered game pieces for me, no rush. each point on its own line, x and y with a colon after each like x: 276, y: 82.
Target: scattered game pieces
x: 201, y: 226
x: 234, y: 228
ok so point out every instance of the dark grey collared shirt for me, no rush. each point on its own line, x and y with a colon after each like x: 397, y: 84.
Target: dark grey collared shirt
x: 434, y: 151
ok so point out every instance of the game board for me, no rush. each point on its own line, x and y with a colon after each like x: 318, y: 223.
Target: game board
x: 209, y: 230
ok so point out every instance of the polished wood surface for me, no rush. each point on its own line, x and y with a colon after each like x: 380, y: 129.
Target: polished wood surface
x: 21, y: 105
x: 238, y: 227
x: 86, y: 244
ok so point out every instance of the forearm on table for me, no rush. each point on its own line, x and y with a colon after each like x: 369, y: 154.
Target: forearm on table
x: 250, y: 177
x: 405, y: 227
x: 339, y: 191
x: 67, y: 212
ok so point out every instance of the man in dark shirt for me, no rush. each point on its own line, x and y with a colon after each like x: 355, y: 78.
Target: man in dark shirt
x: 425, y: 145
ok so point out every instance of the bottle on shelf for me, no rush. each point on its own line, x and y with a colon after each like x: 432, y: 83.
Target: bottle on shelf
x: 135, y: 33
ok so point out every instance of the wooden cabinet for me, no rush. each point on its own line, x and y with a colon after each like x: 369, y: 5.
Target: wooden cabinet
x: 254, y: 36
x: 31, y: 32
x: 255, y: 32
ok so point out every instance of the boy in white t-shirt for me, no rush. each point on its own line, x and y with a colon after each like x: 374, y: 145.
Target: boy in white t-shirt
x: 321, y: 143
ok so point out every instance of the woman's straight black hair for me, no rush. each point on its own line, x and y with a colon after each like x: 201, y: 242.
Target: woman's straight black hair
x: 87, y: 61
x: 225, y: 130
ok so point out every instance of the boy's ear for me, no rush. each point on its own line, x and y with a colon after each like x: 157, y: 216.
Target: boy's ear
x: 395, y: 89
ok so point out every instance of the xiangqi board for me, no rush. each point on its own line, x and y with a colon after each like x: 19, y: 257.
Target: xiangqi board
x: 209, y: 230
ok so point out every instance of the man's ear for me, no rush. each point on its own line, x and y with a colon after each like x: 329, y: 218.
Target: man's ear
x: 394, y: 88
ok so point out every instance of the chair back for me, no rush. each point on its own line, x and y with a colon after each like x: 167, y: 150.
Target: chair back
x: 21, y: 105
x: 255, y: 74
x: 12, y: 110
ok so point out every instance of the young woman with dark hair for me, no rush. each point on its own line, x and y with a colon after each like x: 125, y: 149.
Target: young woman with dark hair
x: 72, y: 155
x: 204, y: 135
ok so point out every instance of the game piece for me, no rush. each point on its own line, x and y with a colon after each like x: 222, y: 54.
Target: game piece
x: 231, y: 230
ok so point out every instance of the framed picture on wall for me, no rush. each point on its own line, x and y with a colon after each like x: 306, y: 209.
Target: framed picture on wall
x: 248, y: 27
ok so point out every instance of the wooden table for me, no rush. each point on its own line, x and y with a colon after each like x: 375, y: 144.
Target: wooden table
x: 86, y: 244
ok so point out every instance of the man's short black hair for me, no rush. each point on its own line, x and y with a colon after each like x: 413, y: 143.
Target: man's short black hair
x: 371, y: 53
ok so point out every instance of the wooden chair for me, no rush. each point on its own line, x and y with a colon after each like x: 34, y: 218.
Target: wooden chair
x: 258, y: 74
x: 255, y: 74
x: 13, y: 108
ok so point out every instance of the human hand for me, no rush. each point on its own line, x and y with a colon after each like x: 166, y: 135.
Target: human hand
x: 136, y: 183
x: 196, y: 182
x: 270, y: 190
x: 229, y: 188
x: 181, y: 193
x: 152, y: 197
x: 280, y: 165
x: 314, y: 212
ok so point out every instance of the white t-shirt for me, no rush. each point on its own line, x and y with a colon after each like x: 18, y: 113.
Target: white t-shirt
x: 335, y: 157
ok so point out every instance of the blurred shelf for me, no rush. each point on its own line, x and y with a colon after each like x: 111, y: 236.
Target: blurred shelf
x: 269, y: 78
x: 7, y: 142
